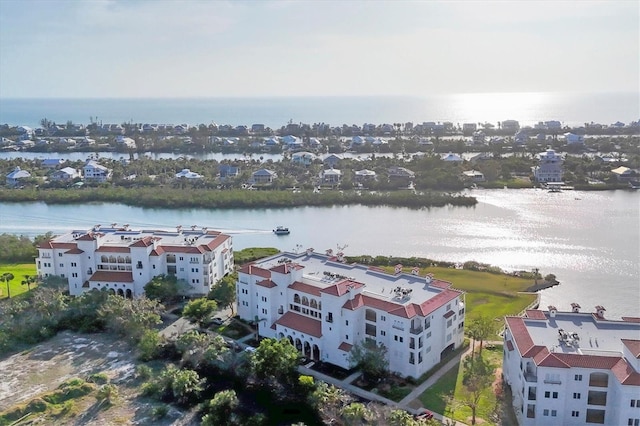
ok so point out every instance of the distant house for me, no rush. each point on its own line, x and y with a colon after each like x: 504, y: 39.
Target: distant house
x: 511, y: 125
x: 479, y: 138
x: 124, y: 142
x: 52, y: 163
x: 624, y: 174
x: 331, y: 176
x: 332, y: 160
x: 271, y: 142
x: 14, y: 178
x: 94, y: 172
x: 291, y: 141
x: 64, y: 175
x: 473, y: 176
x: 357, y: 141
x: 188, y: 174
x: 263, y: 176
x: 228, y: 171
x: 549, y: 168
x: 573, y: 139
x: 315, y: 143
x: 364, y: 175
x: 257, y: 128
x: 469, y: 128
x: 400, y: 173
x: 452, y: 158
x: 303, y: 157
x: 521, y: 137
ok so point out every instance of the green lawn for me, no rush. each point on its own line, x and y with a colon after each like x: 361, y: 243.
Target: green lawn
x: 19, y: 270
x: 435, y: 398
x: 492, y: 295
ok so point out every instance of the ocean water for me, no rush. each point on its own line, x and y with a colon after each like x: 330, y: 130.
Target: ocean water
x: 528, y: 108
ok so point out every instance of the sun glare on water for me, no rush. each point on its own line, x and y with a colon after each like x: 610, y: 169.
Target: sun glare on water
x: 526, y: 107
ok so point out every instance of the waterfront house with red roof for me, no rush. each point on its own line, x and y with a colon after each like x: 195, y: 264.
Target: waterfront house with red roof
x: 573, y: 368
x: 123, y: 261
x: 324, y: 306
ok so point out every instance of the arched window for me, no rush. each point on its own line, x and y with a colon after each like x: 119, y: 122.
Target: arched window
x: 296, y: 298
x: 104, y: 258
x: 314, y: 304
x: 120, y: 259
x: 112, y: 259
x: 127, y: 259
x: 305, y: 301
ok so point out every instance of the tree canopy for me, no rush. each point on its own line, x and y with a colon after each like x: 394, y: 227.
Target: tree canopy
x: 370, y: 358
x: 276, y: 360
x: 199, y: 310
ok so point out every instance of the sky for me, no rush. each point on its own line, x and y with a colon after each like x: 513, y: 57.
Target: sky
x: 138, y: 48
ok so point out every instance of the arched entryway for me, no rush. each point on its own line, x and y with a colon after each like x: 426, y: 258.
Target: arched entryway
x: 120, y: 292
x: 307, y: 350
x: 112, y: 291
x: 128, y: 294
x: 315, y: 353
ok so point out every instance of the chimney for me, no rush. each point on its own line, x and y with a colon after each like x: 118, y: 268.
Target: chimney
x: 340, y: 256
x: 552, y: 311
x: 398, y: 268
x: 309, y: 251
x: 575, y: 307
x: 600, y: 311
x: 415, y: 270
x: 428, y: 278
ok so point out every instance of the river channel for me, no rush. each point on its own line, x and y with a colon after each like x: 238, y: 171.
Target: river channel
x: 589, y: 240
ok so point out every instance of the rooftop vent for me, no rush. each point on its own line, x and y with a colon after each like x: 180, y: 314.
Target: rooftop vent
x: 552, y: 311
x: 575, y: 307
x: 600, y: 311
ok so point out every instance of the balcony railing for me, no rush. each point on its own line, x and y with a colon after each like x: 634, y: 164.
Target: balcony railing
x: 553, y: 381
x: 416, y: 330
x: 398, y: 327
x: 531, y: 377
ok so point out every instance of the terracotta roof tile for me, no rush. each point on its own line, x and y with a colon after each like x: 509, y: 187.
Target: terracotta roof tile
x: 266, y: 283
x: 90, y: 236
x: 631, y: 319
x: 251, y: 269
x: 440, y: 284
x: 113, y: 249
x: 633, y: 346
x: 75, y: 250
x: 520, y: 334
x: 344, y: 346
x: 158, y: 251
x: 536, y: 314
x: 341, y: 288
x: 67, y: 246
x: 305, y: 288
x: 301, y: 323
x: 437, y: 301
x: 143, y: 242
x: 112, y: 276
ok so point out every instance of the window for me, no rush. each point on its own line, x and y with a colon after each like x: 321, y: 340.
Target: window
x: 370, y: 329
x: 599, y: 380
x: 576, y: 395
x: 545, y: 412
x: 330, y: 317
x: 448, y: 337
x: 635, y: 403
x: 370, y: 315
x: 412, y: 358
x: 449, y: 323
x: 383, y: 333
x: 554, y: 413
x: 62, y: 265
x: 181, y: 258
x: 346, y: 336
x: 398, y: 338
x: 59, y: 254
x: 428, y: 335
x: 346, y: 322
x: 547, y: 394
x: 577, y: 377
x: 264, y: 299
x: 383, y: 318
x: 74, y: 275
x: 597, y: 398
x: 531, y: 411
x: 633, y: 422
x: 555, y: 395
x: 74, y: 264
x: 595, y: 416
x: 449, y: 307
x: 427, y: 322
x: 575, y: 414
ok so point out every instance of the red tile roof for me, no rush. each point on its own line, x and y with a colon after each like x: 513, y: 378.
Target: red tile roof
x: 631, y: 319
x: 301, y: 323
x: 285, y: 268
x: 184, y: 249
x: 536, y: 314
x: 90, y: 236
x: 113, y: 249
x: 440, y: 284
x: 437, y: 301
x: 344, y: 346
x: 625, y: 373
x: 520, y: 334
x: 633, y: 346
x: 266, y: 283
x: 305, y: 288
x: 74, y: 251
x: 216, y: 242
x: 157, y: 252
x: 112, y: 276
x: 251, y: 269
x: 341, y: 288
x: 67, y: 246
x: 143, y: 242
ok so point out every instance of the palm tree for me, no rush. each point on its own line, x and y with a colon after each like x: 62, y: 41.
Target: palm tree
x: 28, y: 280
x: 7, y: 277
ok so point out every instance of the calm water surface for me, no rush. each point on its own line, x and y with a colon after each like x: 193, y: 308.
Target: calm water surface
x: 590, y: 240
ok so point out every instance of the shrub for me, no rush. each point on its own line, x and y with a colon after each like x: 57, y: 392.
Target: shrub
x: 99, y: 378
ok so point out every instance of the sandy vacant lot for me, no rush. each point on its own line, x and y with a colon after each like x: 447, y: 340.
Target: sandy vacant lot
x: 44, y: 367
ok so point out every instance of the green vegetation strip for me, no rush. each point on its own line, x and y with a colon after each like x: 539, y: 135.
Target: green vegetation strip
x: 241, y: 199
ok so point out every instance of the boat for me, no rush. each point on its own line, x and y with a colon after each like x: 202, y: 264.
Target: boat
x: 281, y: 230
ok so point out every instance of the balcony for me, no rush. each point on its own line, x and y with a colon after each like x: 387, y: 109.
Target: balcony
x: 416, y: 330
x: 398, y: 327
x: 552, y: 381
x: 531, y: 377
